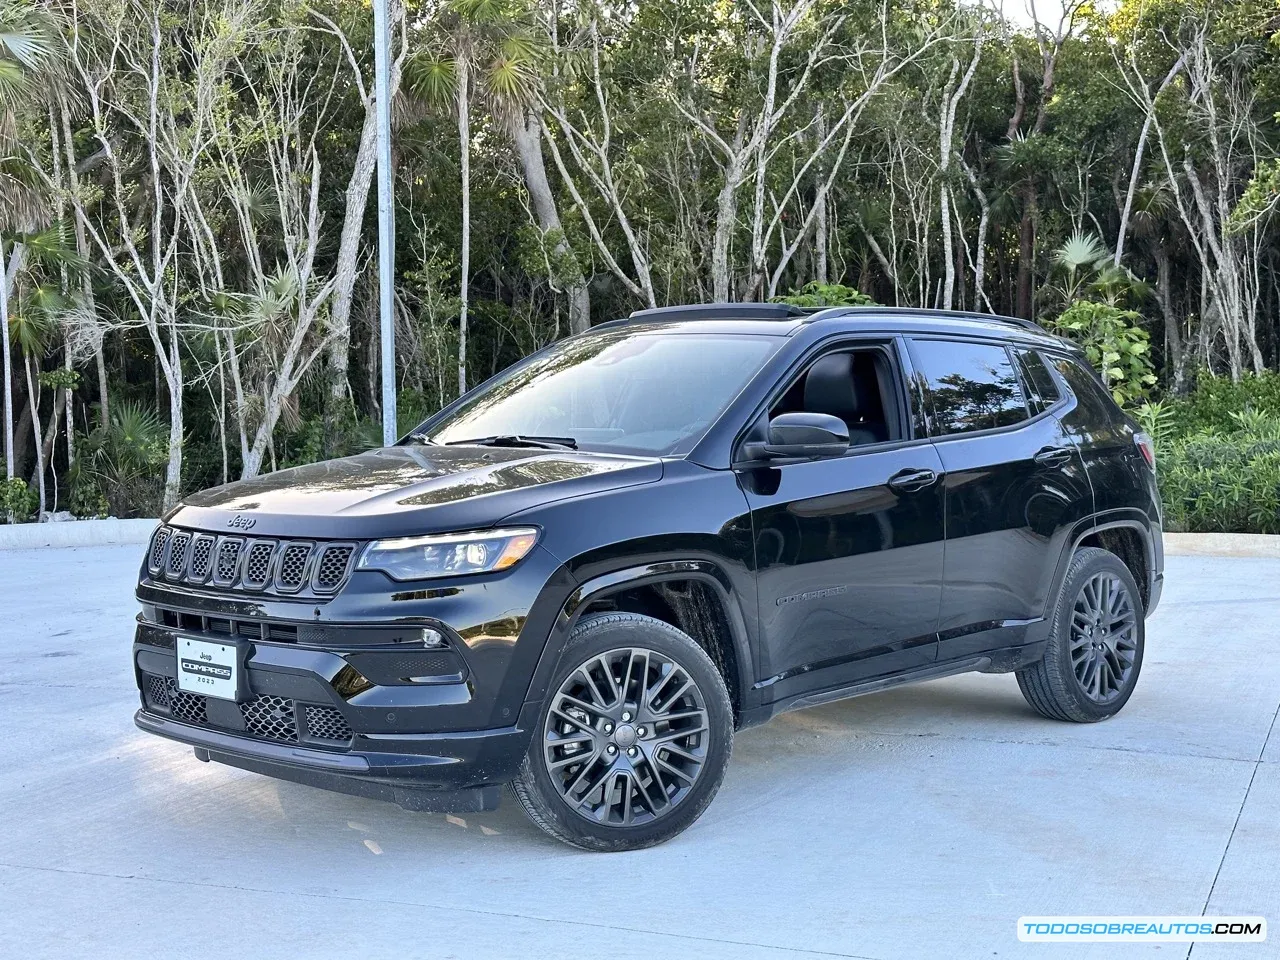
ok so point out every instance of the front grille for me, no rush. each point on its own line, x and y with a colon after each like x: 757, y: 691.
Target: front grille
x: 158, y: 690
x: 158, y: 542
x: 331, y: 571
x: 265, y: 717
x: 326, y: 723
x: 201, y: 558
x: 271, y: 718
x: 293, y: 567
x: 189, y: 707
x: 176, y: 561
x: 228, y: 564
x: 226, y: 626
x: 258, y: 564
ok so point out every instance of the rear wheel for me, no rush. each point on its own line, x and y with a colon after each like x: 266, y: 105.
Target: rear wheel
x: 1094, y: 656
x: 633, y: 739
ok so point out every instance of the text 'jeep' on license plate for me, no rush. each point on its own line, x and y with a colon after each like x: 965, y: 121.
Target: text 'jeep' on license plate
x: 208, y: 668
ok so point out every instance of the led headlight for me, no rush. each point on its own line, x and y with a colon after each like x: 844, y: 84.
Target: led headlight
x: 449, y: 554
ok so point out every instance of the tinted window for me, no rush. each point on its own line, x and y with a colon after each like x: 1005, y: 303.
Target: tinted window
x: 1089, y: 391
x: 1042, y: 389
x: 970, y: 386
x: 627, y: 391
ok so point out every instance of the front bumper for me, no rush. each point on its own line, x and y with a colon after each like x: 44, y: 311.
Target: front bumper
x: 446, y: 779
x: 350, y: 694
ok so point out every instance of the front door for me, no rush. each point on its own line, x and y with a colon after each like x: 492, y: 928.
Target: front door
x: 849, y: 551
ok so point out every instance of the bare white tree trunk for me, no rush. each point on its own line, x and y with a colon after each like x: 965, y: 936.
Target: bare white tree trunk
x: 951, y: 98
x: 6, y: 349
x: 527, y: 135
x: 464, y: 145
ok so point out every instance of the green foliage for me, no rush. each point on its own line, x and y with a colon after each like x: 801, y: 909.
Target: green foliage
x: 123, y: 464
x: 60, y: 379
x: 1224, y: 482
x: 1116, y: 346
x: 17, y: 500
x: 817, y: 294
x: 1210, y: 406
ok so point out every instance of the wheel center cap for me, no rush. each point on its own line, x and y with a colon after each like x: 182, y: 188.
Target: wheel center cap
x: 624, y: 735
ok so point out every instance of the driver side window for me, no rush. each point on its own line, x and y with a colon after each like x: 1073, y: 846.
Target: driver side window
x: 856, y: 386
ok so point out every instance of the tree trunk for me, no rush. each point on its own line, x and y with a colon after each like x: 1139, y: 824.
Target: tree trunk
x: 1026, y: 251
x: 357, y: 199
x: 1172, y: 334
x: 173, y: 473
x: 51, y: 435
x: 527, y: 133
x: 34, y: 401
x: 8, y: 373
x: 464, y: 145
x: 726, y: 221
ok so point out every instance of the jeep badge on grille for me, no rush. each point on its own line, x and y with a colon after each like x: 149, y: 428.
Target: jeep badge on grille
x: 241, y: 522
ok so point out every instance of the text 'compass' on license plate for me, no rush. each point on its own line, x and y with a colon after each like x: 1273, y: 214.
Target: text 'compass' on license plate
x: 208, y: 668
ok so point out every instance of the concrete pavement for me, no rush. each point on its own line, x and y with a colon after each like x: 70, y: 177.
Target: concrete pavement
x: 917, y: 823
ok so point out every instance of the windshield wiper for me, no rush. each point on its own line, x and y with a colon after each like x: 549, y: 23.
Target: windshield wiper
x: 519, y: 440
x: 421, y: 438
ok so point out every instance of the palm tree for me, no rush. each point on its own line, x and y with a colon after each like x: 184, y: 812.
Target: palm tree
x: 483, y: 50
x: 30, y: 71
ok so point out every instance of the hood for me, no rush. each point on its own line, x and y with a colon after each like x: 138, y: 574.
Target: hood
x: 401, y: 491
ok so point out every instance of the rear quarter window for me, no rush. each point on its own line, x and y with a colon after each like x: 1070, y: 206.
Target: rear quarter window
x: 1042, y: 390
x: 1088, y: 389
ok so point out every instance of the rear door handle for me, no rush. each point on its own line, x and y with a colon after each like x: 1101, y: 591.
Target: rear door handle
x: 912, y: 479
x: 1053, y: 456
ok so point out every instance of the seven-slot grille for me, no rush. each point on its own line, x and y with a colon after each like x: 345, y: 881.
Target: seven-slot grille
x: 244, y: 563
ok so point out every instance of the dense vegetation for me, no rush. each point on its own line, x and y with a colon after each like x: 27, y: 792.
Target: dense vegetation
x: 189, y: 241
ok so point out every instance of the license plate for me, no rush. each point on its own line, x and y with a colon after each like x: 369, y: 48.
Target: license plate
x: 210, y: 669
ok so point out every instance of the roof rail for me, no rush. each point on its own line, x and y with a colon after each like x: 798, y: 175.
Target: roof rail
x: 787, y: 311
x: 925, y: 312
x: 723, y: 311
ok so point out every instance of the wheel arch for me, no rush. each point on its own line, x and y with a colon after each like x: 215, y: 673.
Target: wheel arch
x: 1125, y: 533
x: 693, y: 595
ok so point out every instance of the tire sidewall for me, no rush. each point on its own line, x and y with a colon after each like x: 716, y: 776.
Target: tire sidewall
x: 590, y: 638
x: 1086, y: 564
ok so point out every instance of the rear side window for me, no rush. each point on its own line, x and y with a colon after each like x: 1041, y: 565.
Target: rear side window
x: 1042, y: 389
x: 1085, y: 384
x: 969, y: 386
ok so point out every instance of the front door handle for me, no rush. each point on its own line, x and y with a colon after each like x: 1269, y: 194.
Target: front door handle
x: 1053, y: 456
x: 912, y: 479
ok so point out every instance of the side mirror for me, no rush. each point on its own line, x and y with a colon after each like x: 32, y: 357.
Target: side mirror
x: 801, y: 436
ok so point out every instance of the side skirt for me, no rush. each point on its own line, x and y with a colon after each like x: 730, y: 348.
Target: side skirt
x: 996, y: 661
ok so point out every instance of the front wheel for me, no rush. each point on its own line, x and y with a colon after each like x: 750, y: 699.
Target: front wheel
x: 1094, y: 655
x: 633, y: 739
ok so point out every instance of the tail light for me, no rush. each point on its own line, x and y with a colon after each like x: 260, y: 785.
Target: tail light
x: 1146, y: 447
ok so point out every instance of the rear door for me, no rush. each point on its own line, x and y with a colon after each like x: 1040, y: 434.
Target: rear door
x: 849, y: 549
x: 1014, y: 485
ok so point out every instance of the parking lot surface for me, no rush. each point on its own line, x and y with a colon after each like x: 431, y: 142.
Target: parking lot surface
x: 916, y: 823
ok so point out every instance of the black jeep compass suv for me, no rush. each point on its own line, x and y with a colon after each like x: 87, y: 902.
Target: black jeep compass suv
x: 584, y: 575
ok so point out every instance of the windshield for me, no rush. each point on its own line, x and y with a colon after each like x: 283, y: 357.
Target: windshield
x: 621, y: 391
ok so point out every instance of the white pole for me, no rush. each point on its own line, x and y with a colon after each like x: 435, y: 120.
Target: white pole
x: 386, y: 221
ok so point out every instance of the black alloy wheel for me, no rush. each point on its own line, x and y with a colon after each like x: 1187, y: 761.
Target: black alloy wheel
x: 626, y: 737
x: 633, y: 738
x: 1104, y: 646
x: 1093, y: 653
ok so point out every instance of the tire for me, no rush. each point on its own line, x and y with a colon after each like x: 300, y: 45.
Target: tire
x: 1096, y: 639
x: 650, y: 775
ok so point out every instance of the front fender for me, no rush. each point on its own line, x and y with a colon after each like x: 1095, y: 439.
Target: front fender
x: 606, y: 584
